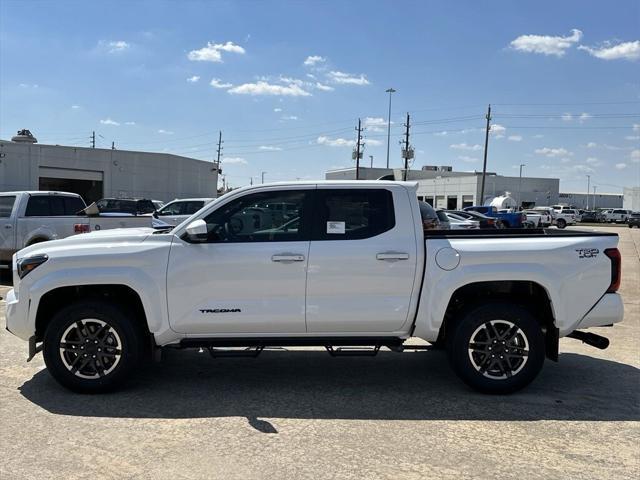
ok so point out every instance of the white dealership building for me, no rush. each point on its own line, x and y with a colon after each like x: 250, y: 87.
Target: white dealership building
x: 96, y: 172
x: 445, y: 188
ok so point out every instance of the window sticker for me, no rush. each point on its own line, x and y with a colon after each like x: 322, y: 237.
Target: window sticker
x: 335, y: 227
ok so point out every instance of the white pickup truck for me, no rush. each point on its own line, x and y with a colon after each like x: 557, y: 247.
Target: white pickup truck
x: 346, y: 265
x: 32, y: 217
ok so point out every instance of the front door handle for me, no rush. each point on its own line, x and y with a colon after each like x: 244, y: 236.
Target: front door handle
x: 287, y: 257
x: 392, y: 256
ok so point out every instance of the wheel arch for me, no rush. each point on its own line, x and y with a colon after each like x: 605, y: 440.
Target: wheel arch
x: 525, y: 293
x: 122, y: 295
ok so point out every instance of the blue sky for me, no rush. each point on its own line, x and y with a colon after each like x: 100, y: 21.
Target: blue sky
x: 287, y: 81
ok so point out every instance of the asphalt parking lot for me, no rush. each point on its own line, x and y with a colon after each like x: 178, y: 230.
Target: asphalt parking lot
x: 302, y: 414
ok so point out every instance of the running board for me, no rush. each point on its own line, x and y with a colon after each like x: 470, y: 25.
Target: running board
x: 353, y: 351
x: 248, y: 352
x: 589, y: 338
x: 393, y: 343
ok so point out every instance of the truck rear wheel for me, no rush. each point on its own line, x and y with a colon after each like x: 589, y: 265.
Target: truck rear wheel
x: 561, y: 223
x: 497, y: 348
x: 91, y: 346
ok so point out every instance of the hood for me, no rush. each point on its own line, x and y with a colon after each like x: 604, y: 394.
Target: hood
x: 116, y: 235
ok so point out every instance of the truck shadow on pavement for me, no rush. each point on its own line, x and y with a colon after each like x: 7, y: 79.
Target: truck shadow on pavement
x: 312, y: 385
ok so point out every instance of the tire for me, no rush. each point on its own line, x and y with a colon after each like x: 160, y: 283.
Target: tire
x: 105, y: 328
x: 482, y: 327
x: 561, y: 223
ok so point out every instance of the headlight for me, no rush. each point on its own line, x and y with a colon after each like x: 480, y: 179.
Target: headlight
x: 27, y: 264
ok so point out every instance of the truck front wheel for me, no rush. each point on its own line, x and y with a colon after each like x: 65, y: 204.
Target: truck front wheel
x: 91, y: 346
x: 497, y: 348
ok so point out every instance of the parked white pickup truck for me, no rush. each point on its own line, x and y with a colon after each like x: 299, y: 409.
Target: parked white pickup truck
x: 32, y: 217
x: 344, y: 266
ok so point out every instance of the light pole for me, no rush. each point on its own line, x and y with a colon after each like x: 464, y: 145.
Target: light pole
x: 389, y: 91
x: 588, y: 189
x: 520, y: 185
x: 594, y: 196
x: 371, y: 158
x: 263, y: 176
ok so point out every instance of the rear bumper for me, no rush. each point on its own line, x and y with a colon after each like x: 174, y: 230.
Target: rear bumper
x: 607, y: 311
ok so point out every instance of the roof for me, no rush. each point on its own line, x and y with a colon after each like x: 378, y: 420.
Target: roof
x: 40, y: 192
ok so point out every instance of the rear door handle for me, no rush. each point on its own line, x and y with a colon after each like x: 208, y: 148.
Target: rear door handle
x: 287, y: 257
x: 392, y: 256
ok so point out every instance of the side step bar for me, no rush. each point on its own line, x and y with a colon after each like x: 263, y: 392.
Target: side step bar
x: 589, y: 338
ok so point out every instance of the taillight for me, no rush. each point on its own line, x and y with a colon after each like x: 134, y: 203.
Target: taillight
x: 81, y: 228
x: 616, y: 268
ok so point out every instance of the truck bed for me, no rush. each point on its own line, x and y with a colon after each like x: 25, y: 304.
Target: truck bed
x: 516, y: 232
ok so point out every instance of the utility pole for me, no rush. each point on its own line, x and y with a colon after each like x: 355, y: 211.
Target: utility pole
x: 594, y: 196
x: 520, y: 185
x: 263, y: 176
x: 219, y: 150
x: 588, y: 189
x: 389, y: 91
x: 357, y: 154
x: 250, y: 180
x: 486, y: 145
x: 371, y: 158
x: 113, y: 145
x: 93, y: 139
x: 407, y: 151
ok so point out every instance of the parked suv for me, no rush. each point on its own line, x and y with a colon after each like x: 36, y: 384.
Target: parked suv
x: 617, y: 215
x: 634, y: 220
x: 178, y: 210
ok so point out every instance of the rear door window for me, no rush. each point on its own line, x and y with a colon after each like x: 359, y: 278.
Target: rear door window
x: 192, y: 207
x: 73, y: 205
x: 6, y: 206
x: 343, y: 214
x: 38, y: 206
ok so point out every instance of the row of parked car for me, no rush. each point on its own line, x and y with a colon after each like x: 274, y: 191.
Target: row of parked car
x: 29, y: 217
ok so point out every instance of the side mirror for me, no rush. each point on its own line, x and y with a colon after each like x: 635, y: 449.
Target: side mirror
x: 197, y: 230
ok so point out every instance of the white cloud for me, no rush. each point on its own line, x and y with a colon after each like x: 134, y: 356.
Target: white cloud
x: 108, y: 121
x: 375, y: 124
x: 546, y: 44
x: 75, y: 107
x: 565, y: 160
x: 443, y: 133
x: 632, y: 137
x: 115, y: 46
x: 636, y: 127
x: 129, y: 123
x: 264, y: 88
x: 277, y: 109
x: 635, y: 155
x: 217, y: 83
x: 335, y: 142
x: 464, y: 146
x: 165, y: 132
x: 584, y: 116
x: 497, y: 130
x: 212, y: 52
x: 193, y: 79
x: 538, y: 135
x: 312, y: 60
x: 232, y: 160
x: 347, y: 78
x: 594, y: 161
x: 553, y: 152
x: 289, y: 117
x: 323, y: 87
x: 567, y: 117
x: 621, y: 166
x: 270, y: 148
x: 372, y: 142
x: 591, y: 145
x: 466, y: 158
x: 515, y: 138
x: 608, y: 51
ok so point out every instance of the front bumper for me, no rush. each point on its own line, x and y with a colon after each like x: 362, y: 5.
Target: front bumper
x: 607, y: 311
x: 17, y: 316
